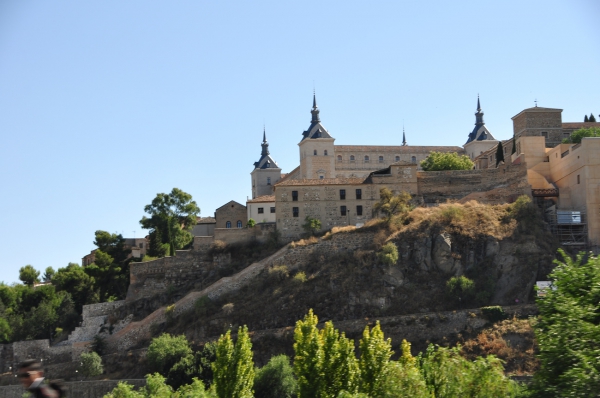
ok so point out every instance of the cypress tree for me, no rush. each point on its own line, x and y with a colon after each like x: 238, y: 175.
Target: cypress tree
x: 592, y: 119
x: 514, y: 147
x: 499, y: 154
x: 585, y: 119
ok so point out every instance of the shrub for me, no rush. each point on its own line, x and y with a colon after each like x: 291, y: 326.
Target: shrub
x: 460, y: 288
x: 300, y: 277
x: 98, y: 344
x: 275, y: 379
x: 202, y: 305
x: 311, y: 225
x: 165, y: 351
x: 91, y: 364
x: 577, y: 135
x: 170, y: 312
x: 279, y: 272
x: 251, y: 223
x: 437, y: 161
x: 388, y: 254
x: 451, y: 213
x: 390, y: 205
x: 493, y: 313
x: 228, y: 308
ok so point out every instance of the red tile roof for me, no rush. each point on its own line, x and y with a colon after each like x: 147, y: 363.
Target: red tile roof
x: 324, y: 181
x: 205, y: 220
x: 262, y: 199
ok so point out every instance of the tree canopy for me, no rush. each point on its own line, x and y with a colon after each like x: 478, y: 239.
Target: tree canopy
x: 29, y: 275
x: 577, y: 135
x: 172, y: 216
x: 390, y: 204
x: 437, y: 161
x: 568, y: 330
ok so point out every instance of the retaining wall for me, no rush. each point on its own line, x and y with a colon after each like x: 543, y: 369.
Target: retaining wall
x: 78, y: 389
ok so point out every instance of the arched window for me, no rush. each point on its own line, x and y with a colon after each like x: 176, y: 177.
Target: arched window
x: 228, y: 224
x: 339, y: 158
x: 352, y: 158
x: 268, y: 180
x: 381, y: 159
x: 239, y: 224
x: 366, y: 158
x: 413, y: 159
x: 397, y: 158
x: 325, y: 152
x: 315, y: 152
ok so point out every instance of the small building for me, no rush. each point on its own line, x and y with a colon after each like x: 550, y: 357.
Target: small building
x: 262, y: 209
x: 231, y: 215
x: 205, y: 226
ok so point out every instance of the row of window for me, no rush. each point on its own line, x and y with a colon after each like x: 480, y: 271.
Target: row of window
x: 366, y: 159
x: 358, y: 193
x: 343, y: 211
x: 228, y: 224
x: 261, y: 210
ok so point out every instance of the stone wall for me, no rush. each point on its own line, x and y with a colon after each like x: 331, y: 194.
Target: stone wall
x: 99, y: 309
x: 79, y: 389
x: 509, y: 182
x: 231, y: 212
x: 153, y: 277
x: 13, y: 354
x: 242, y: 235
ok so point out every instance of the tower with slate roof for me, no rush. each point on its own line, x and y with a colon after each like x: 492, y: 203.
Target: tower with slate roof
x: 317, y: 160
x: 266, y: 172
x: 480, y: 139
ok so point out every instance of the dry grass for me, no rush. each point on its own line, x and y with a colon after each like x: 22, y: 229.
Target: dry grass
x: 228, y: 308
x: 511, y: 340
x: 335, y: 230
x: 305, y: 242
x: 471, y: 219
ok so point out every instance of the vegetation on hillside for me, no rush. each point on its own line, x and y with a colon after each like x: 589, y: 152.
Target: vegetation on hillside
x: 438, y: 161
x: 577, y: 135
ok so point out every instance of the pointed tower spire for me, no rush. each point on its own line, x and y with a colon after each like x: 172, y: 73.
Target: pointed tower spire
x: 315, y: 110
x: 478, y: 105
x: 403, y: 137
x: 265, y: 144
x: 479, y: 114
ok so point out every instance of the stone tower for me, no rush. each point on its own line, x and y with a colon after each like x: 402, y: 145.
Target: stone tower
x: 266, y: 172
x: 480, y: 139
x: 316, y: 149
x: 538, y: 121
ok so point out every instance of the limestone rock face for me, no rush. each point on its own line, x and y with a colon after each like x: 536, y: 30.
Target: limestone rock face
x: 393, y: 276
x: 422, y: 254
x: 491, y: 247
x: 442, y: 253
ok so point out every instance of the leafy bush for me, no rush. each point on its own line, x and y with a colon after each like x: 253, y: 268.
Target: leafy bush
x: 460, y: 288
x: 577, y: 135
x: 275, y: 379
x: 311, y: 225
x: 251, y: 223
x: 279, y: 272
x: 300, y: 277
x: 437, y: 161
x: 390, y: 205
x: 388, y: 254
x: 493, y: 313
x: 91, y: 364
x: 165, y: 351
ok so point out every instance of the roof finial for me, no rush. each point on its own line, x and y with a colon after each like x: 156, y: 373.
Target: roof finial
x: 264, y: 133
x: 535, y: 102
x: 478, y: 105
x: 403, y: 136
x: 265, y: 144
x: 315, y: 109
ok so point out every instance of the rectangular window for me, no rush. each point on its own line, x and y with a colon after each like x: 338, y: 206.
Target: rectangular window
x: 544, y: 134
x: 578, y: 180
x: 268, y: 180
x: 359, y: 194
x: 381, y: 159
x: 272, y: 210
x: 359, y: 210
x: 142, y: 245
x: 294, y: 196
x: 261, y: 210
x: 295, y: 211
x: 343, y: 210
x: 342, y: 194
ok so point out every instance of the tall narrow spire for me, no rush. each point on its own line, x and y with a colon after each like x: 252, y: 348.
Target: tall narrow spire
x: 315, y: 110
x: 403, y: 137
x: 479, y: 114
x: 478, y: 105
x: 265, y: 144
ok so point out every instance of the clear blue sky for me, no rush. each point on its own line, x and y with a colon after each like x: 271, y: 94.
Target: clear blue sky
x: 103, y: 104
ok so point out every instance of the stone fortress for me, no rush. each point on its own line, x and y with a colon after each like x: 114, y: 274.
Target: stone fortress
x: 339, y: 185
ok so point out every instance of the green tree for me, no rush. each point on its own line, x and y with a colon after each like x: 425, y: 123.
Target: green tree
x: 48, y: 274
x: 308, y: 356
x: 91, y: 364
x: 514, y: 145
x: 388, y: 254
x: 311, y: 225
x: 165, y: 351
x: 74, y: 280
x: 499, y: 154
x: 5, y: 330
x: 251, y: 223
x: 577, y: 135
x: 234, y: 369
x: 437, y: 161
x: 339, y: 367
x: 172, y: 216
x: 592, y: 119
x: 460, y: 288
x: 585, y: 119
x: 375, y: 354
x: 275, y: 379
x: 404, y: 378
x: 568, y: 330
x: 29, y: 275
x: 391, y: 205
